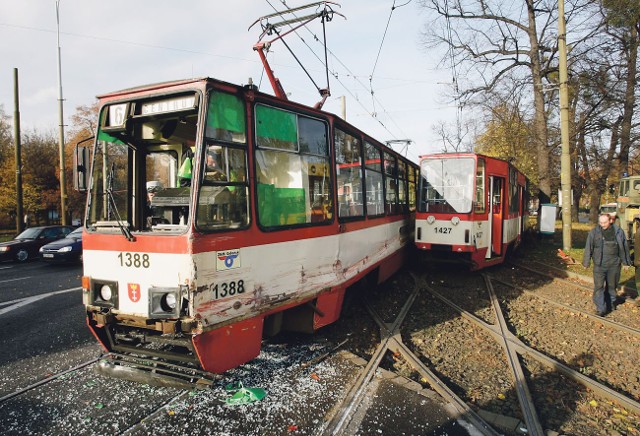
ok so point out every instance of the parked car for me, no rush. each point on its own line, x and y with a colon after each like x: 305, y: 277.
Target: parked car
x: 26, y: 245
x: 68, y: 249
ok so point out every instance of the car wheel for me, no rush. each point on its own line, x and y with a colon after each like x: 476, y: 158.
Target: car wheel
x: 22, y: 255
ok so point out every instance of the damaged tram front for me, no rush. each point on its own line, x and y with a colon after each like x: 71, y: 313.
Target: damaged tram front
x: 168, y: 171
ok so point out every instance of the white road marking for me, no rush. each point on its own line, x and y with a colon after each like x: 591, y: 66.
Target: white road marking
x: 7, y: 303
x: 29, y: 300
x: 13, y: 280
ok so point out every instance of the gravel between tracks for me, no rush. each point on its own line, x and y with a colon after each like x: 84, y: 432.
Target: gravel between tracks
x: 474, y: 365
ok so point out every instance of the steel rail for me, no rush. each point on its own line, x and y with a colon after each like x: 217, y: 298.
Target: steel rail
x: 555, y: 277
x: 572, y: 274
x: 606, y: 392
x: 601, y: 319
x: 48, y: 379
x: 352, y: 400
x: 443, y: 390
x: 522, y: 390
x: 462, y: 408
x: 155, y: 413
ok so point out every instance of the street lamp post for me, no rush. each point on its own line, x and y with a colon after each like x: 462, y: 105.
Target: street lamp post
x: 63, y: 189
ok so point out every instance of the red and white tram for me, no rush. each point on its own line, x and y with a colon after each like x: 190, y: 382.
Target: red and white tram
x: 217, y: 214
x: 470, y: 207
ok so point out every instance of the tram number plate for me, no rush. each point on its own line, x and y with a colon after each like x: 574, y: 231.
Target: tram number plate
x: 227, y: 289
x: 445, y: 230
x: 134, y: 260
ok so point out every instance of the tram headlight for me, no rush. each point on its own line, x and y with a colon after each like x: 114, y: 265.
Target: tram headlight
x: 169, y: 302
x: 431, y: 219
x: 106, y: 293
x: 164, y: 302
x: 455, y: 220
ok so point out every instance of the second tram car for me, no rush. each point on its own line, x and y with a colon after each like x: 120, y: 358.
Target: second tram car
x: 470, y: 207
x: 218, y: 214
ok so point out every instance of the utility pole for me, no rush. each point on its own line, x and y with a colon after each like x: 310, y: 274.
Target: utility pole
x: 16, y: 141
x: 565, y: 158
x: 63, y: 183
x: 343, y: 106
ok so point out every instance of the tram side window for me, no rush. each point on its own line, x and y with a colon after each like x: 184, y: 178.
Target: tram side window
x: 223, y: 199
x: 373, y: 180
x: 412, y: 188
x: 349, y: 174
x: 293, y: 169
x: 514, y: 192
x: 391, y: 184
x: 402, y: 186
x: 480, y: 203
x: 226, y: 120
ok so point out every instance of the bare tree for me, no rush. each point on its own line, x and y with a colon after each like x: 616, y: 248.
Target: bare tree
x: 492, y: 42
x: 622, y: 24
x: 453, y: 137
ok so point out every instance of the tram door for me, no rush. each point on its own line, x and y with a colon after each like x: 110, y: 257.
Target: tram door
x: 497, y: 214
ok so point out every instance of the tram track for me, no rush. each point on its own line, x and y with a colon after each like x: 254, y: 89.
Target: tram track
x: 49, y: 379
x: 162, y: 409
x: 391, y: 340
x: 502, y: 334
x: 542, y: 358
x: 608, y: 322
x: 337, y: 422
x: 524, y: 396
x: 570, y: 294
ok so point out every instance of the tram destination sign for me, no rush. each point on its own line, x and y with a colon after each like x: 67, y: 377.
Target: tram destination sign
x: 176, y: 104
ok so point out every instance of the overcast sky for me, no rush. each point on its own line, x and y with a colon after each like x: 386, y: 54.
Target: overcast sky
x: 117, y: 44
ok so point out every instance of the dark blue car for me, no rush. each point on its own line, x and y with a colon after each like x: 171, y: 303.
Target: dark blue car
x: 68, y: 249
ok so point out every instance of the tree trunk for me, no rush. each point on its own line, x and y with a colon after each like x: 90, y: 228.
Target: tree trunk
x: 540, y: 120
x: 629, y: 100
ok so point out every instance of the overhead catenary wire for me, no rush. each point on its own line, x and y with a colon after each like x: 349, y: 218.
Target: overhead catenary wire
x: 375, y: 64
x: 336, y: 76
x: 336, y: 73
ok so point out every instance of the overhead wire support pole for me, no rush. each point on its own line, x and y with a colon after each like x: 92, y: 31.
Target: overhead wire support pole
x: 20, y: 221
x: 565, y: 158
x: 63, y: 190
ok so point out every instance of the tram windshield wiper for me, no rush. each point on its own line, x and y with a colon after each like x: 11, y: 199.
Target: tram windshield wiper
x: 124, y: 228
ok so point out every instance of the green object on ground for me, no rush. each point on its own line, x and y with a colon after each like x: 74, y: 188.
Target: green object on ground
x: 243, y: 395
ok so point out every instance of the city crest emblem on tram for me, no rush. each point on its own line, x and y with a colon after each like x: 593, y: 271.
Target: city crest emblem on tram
x: 229, y: 259
x: 133, y: 289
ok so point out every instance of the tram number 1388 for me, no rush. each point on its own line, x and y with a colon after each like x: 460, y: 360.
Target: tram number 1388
x: 445, y: 230
x: 227, y: 289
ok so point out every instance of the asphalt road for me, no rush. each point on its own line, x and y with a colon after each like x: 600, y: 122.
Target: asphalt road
x: 43, y: 332
x: 42, y: 324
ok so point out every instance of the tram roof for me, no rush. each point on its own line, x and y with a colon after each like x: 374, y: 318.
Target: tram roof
x: 167, y: 84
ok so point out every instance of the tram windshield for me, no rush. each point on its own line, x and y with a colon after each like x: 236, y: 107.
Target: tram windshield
x: 447, y: 185
x: 146, y: 155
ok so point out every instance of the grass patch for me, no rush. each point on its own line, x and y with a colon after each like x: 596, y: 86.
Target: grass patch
x: 6, y: 236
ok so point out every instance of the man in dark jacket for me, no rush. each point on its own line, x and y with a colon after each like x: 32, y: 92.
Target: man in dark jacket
x: 607, y: 246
